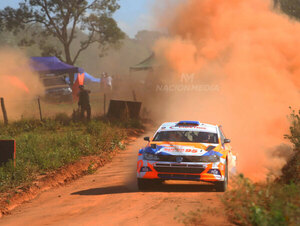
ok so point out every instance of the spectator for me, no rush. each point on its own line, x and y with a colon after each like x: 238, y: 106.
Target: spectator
x: 109, y: 82
x: 84, y: 102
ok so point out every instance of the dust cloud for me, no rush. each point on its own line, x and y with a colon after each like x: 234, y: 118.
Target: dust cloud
x: 19, y: 86
x: 236, y: 63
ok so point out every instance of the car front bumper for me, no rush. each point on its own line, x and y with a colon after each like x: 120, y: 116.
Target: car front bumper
x: 211, y: 172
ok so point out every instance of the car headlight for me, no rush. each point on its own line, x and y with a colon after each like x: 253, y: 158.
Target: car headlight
x: 210, y: 158
x: 149, y: 156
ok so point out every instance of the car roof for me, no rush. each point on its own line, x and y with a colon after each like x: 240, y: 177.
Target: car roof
x: 188, y: 125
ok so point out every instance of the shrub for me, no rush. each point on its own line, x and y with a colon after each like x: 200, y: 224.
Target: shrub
x: 263, y: 204
x: 291, y: 171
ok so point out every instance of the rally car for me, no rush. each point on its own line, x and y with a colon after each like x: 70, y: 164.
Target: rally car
x: 186, y: 150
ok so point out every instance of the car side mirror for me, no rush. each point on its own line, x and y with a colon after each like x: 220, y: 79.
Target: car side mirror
x: 147, y: 139
x: 226, y: 141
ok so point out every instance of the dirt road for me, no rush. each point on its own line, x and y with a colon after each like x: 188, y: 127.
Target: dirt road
x: 110, y: 197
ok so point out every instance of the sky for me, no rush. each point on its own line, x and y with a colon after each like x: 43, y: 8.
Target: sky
x: 134, y: 15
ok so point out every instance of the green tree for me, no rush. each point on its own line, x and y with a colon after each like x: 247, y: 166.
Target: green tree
x: 290, y: 7
x: 62, y: 20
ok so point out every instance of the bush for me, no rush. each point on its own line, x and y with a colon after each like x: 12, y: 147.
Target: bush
x: 291, y: 171
x: 263, y: 204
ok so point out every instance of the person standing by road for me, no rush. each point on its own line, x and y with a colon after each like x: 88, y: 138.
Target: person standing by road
x: 109, y: 82
x: 84, y: 102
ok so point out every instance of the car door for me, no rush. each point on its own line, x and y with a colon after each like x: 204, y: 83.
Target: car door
x: 226, y: 146
x: 228, y: 149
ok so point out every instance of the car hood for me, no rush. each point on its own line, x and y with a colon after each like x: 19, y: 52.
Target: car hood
x: 183, y: 149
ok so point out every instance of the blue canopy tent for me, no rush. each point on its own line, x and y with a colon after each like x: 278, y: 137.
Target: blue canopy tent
x: 87, y: 78
x: 52, y: 65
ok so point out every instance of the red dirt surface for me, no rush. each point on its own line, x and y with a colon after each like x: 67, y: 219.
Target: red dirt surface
x: 110, y: 197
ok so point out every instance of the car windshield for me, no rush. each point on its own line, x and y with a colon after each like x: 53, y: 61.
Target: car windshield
x: 187, y: 136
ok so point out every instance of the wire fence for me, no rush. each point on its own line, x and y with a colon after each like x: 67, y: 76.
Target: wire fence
x: 40, y: 108
x: 13, y: 109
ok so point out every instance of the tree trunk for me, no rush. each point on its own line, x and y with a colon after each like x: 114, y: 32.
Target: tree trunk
x: 71, y: 76
x: 69, y: 61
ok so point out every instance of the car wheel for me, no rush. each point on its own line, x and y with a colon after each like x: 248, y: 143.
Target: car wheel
x: 221, y: 186
x: 146, y: 184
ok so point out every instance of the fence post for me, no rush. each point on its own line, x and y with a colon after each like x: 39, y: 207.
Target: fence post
x: 40, y: 109
x: 104, y: 104
x: 4, y: 111
x: 133, y: 94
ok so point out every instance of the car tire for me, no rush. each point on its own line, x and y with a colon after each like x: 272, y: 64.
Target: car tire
x: 147, y: 184
x: 221, y: 186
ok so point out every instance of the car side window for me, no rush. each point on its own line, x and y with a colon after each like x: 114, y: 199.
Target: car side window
x: 221, y: 135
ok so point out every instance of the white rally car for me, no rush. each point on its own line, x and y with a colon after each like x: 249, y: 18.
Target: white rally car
x: 186, y: 150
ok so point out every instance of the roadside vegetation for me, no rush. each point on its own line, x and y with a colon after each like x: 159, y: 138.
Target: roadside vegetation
x: 46, y: 146
x: 273, y: 202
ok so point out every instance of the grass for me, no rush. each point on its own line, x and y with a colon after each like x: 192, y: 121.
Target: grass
x: 46, y: 146
x: 263, y: 204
